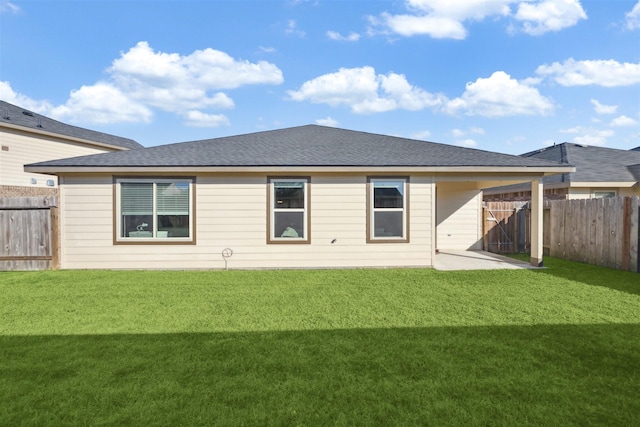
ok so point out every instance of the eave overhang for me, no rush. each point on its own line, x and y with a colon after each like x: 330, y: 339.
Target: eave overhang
x: 537, y: 171
x: 63, y: 137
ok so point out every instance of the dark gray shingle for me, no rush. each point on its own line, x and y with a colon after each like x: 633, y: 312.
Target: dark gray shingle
x: 593, y: 164
x: 309, y: 145
x: 18, y: 116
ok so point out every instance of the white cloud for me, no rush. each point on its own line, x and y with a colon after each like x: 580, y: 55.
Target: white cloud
x: 623, y: 121
x: 292, y: 29
x: 467, y: 143
x: 101, y: 103
x: 434, y: 26
x: 196, y: 118
x: 447, y: 18
x: 266, y: 49
x: 9, y: 7
x: 499, y: 96
x: 608, y: 73
x: 459, y: 133
x: 142, y: 79
x: 633, y: 17
x: 549, y: 15
x: 589, y: 136
x: 440, y: 18
x: 423, y: 135
x: 365, y: 92
x: 603, y: 109
x: 174, y: 83
x: 352, y: 37
x: 7, y: 94
x: 328, y: 121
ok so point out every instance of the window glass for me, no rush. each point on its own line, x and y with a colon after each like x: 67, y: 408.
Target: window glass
x: 602, y: 194
x: 137, y: 209
x: 387, y: 214
x: 288, y: 210
x: 388, y: 224
x: 289, y: 224
x: 154, y: 209
x: 288, y: 195
x: 173, y: 209
x: 388, y: 194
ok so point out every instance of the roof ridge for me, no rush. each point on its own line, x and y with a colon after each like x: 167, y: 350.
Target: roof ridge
x: 23, y: 117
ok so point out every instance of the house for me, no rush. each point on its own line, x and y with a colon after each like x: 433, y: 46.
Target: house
x: 302, y: 197
x: 600, y: 172
x: 28, y: 137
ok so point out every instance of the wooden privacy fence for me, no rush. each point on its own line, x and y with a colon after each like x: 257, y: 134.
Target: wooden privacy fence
x: 507, y: 227
x: 596, y: 231
x: 603, y: 232
x: 28, y: 233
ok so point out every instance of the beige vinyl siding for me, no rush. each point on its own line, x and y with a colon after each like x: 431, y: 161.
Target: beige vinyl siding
x: 231, y: 212
x: 589, y: 192
x: 25, y: 149
x: 458, y: 217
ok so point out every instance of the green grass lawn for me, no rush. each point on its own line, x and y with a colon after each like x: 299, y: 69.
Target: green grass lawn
x: 559, y: 346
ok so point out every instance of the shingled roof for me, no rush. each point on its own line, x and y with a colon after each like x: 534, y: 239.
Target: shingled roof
x: 18, y: 116
x: 303, y: 146
x: 593, y: 164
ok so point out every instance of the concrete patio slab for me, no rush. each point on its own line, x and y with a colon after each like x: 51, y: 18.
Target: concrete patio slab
x: 450, y: 260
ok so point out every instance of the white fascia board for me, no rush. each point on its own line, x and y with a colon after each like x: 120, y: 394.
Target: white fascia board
x: 444, y: 170
x: 603, y: 184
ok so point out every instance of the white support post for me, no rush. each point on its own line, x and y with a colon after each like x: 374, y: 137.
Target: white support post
x: 537, y: 202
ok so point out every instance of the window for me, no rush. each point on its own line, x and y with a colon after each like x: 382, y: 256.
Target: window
x: 387, y: 219
x: 288, y: 200
x: 603, y: 194
x: 154, y: 210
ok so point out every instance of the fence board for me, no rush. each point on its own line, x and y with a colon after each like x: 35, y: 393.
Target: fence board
x: 25, y: 233
x: 603, y: 232
x: 634, y: 233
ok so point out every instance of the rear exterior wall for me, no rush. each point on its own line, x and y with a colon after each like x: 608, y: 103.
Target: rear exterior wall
x: 231, y: 212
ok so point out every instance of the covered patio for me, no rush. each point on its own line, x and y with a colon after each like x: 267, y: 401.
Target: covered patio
x: 452, y: 260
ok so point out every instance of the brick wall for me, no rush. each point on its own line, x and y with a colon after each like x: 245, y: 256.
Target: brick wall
x: 17, y: 191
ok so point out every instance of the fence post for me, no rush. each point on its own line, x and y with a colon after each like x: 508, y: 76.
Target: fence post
x: 485, y: 229
x: 634, y: 233
x: 626, y: 234
x: 55, y: 238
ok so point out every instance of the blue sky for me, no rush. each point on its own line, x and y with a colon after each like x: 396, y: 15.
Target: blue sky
x: 501, y: 75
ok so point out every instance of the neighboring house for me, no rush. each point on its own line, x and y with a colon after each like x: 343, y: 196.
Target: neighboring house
x: 600, y: 172
x: 28, y: 137
x: 302, y: 197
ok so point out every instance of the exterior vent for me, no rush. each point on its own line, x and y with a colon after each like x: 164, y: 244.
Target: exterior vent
x: 27, y: 113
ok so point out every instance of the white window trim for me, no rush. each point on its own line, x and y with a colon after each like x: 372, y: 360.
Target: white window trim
x: 372, y: 210
x: 153, y: 226
x: 272, y: 211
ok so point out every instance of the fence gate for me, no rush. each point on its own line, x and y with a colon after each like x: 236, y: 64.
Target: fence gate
x: 28, y: 233
x: 506, y: 227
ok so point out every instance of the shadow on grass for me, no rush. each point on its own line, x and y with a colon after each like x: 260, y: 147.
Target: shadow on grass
x: 536, y: 375
x: 625, y: 281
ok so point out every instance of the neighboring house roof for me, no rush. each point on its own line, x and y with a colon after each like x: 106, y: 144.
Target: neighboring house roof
x: 18, y: 116
x: 302, y: 146
x: 635, y: 149
x: 593, y: 164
